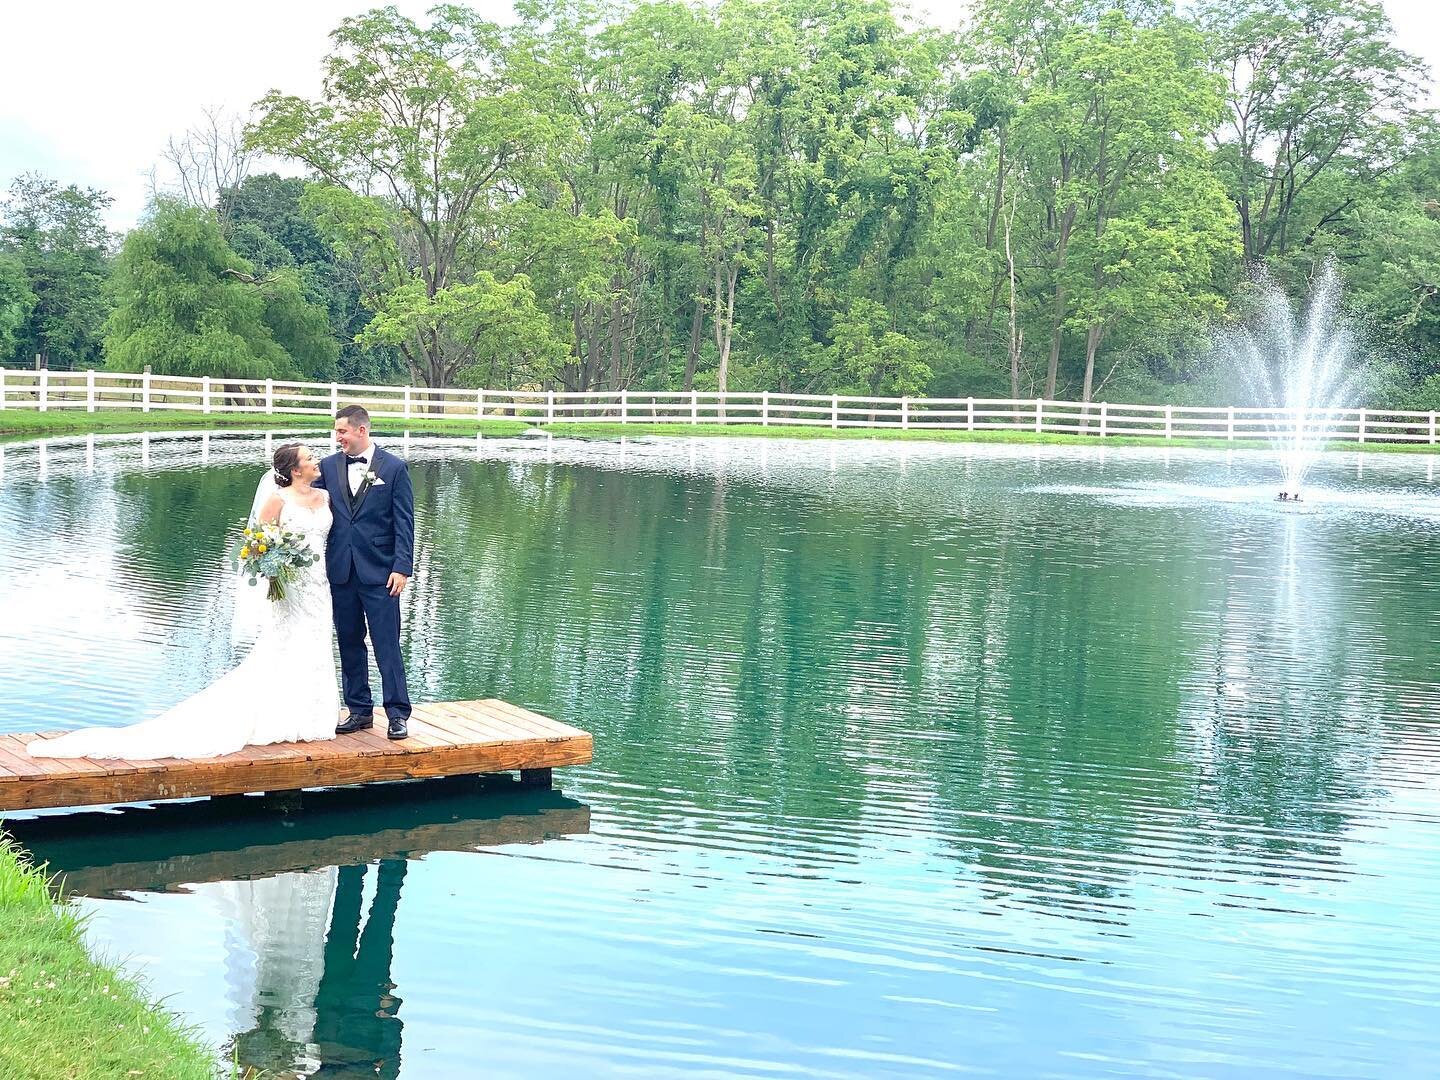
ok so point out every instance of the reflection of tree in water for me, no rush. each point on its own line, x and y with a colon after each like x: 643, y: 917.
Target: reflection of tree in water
x: 1027, y: 675
x: 1044, y: 688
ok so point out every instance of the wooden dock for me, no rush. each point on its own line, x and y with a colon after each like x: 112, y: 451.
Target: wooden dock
x: 453, y: 738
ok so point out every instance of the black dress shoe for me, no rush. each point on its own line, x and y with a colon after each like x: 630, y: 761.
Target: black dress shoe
x: 398, y: 730
x: 355, y: 723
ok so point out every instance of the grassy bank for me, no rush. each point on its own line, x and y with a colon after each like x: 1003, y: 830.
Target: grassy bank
x: 931, y: 435
x: 28, y: 423
x: 22, y: 424
x: 66, y: 1016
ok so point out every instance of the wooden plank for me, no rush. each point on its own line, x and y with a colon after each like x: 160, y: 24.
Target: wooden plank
x: 541, y: 723
x: 478, y: 715
x: 465, y: 727
x: 447, y: 739
x: 535, y: 731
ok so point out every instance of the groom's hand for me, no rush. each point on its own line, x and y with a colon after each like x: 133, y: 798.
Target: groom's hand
x: 397, y: 584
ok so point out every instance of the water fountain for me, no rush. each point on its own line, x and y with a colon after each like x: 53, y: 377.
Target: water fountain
x: 1299, y: 366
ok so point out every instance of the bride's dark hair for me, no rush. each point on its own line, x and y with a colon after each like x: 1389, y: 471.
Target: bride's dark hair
x: 286, y: 458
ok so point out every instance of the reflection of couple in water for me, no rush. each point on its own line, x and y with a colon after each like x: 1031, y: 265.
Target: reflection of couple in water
x: 356, y: 1027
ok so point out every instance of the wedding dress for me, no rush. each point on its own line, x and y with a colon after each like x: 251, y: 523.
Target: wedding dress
x: 285, y: 690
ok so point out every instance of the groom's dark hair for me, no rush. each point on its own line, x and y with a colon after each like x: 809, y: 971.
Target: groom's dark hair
x: 354, y: 415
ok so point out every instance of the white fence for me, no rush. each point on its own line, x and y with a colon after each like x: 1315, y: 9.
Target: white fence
x: 91, y: 390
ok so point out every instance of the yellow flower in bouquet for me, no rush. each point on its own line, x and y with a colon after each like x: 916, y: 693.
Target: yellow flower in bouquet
x: 275, y: 554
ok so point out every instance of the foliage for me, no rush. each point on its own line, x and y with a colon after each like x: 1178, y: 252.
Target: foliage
x: 820, y: 196
x: 186, y: 304
x: 59, y: 238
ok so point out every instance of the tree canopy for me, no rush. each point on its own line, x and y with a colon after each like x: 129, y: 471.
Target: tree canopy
x: 1061, y: 197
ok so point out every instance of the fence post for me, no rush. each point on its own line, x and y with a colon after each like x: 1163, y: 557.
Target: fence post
x: 1432, y: 415
x: 1230, y: 424
x: 969, y: 414
x: 89, y: 389
x: 904, y: 413
x: 834, y: 411
x: 2, y: 396
x: 145, y: 390
x: 1039, y: 415
x: 334, y: 399
x: 624, y: 406
x: 765, y: 409
x: 44, y: 389
x: 269, y: 395
x: 1362, y: 425
x: 694, y: 406
x: 1104, y: 419
x: 406, y: 406
x: 479, y: 404
x: 1169, y: 430
x: 550, y: 406
x: 205, y: 394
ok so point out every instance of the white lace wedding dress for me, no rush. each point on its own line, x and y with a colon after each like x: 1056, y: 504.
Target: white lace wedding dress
x: 284, y: 690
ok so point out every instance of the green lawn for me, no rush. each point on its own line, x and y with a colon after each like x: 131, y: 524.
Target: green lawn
x: 26, y: 423
x: 67, y: 1016
x: 930, y: 435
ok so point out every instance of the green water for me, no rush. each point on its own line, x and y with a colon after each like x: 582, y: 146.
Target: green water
x: 910, y: 760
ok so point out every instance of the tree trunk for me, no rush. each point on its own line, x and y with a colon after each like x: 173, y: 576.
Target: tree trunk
x: 616, y: 325
x: 1092, y: 345
x: 1015, y: 338
x: 1067, y: 222
x: 692, y: 356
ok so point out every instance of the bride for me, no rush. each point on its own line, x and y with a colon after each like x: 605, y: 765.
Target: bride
x: 285, y: 689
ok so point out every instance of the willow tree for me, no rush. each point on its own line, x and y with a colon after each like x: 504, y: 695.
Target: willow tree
x: 186, y: 304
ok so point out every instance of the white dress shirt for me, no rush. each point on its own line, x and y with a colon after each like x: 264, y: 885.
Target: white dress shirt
x: 357, y: 470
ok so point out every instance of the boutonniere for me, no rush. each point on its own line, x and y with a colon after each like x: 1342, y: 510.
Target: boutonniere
x: 372, y: 480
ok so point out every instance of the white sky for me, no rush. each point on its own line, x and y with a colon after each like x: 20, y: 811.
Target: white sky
x: 91, y: 91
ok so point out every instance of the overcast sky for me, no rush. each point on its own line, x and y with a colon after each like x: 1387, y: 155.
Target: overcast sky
x: 91, y: 92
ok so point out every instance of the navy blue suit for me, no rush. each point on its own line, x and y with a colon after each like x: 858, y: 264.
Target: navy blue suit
x: 373, y: 536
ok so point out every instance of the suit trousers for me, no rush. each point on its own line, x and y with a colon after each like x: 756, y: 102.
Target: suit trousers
x: 358, y: 606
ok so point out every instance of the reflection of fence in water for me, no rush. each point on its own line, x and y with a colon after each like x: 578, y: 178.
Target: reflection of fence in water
x: 164, y: 848
x: 91, y: 390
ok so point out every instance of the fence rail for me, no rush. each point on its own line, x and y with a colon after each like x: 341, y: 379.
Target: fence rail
x: 92, y: 390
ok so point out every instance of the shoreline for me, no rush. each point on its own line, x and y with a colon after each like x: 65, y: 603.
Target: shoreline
x: 18, y: 425
x: 70, y: 1014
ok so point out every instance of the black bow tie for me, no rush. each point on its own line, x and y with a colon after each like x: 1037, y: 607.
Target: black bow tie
x: 355, y: 460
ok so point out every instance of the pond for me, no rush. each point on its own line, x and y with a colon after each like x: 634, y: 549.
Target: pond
x: 911, y: 760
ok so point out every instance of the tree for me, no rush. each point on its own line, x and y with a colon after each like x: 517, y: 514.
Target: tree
x: 1320, y: 105
x: 17, y: 301
x: 270, y: 229
x: 186, y: 304
x: 490, y: 330
x: 205, y: 162
x: 415, y: 138
x: 60, y: 239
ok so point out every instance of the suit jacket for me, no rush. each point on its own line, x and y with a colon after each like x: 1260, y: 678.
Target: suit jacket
x: 374, y: 531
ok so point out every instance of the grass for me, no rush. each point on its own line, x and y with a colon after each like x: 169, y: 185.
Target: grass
x: 67, y: 1017
x: 28, y: 423
x: 931, y: 435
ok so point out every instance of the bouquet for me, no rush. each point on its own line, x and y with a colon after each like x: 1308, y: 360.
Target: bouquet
x: 271, y: 552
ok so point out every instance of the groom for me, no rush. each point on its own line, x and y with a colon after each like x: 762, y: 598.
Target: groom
x: 369, y: 559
